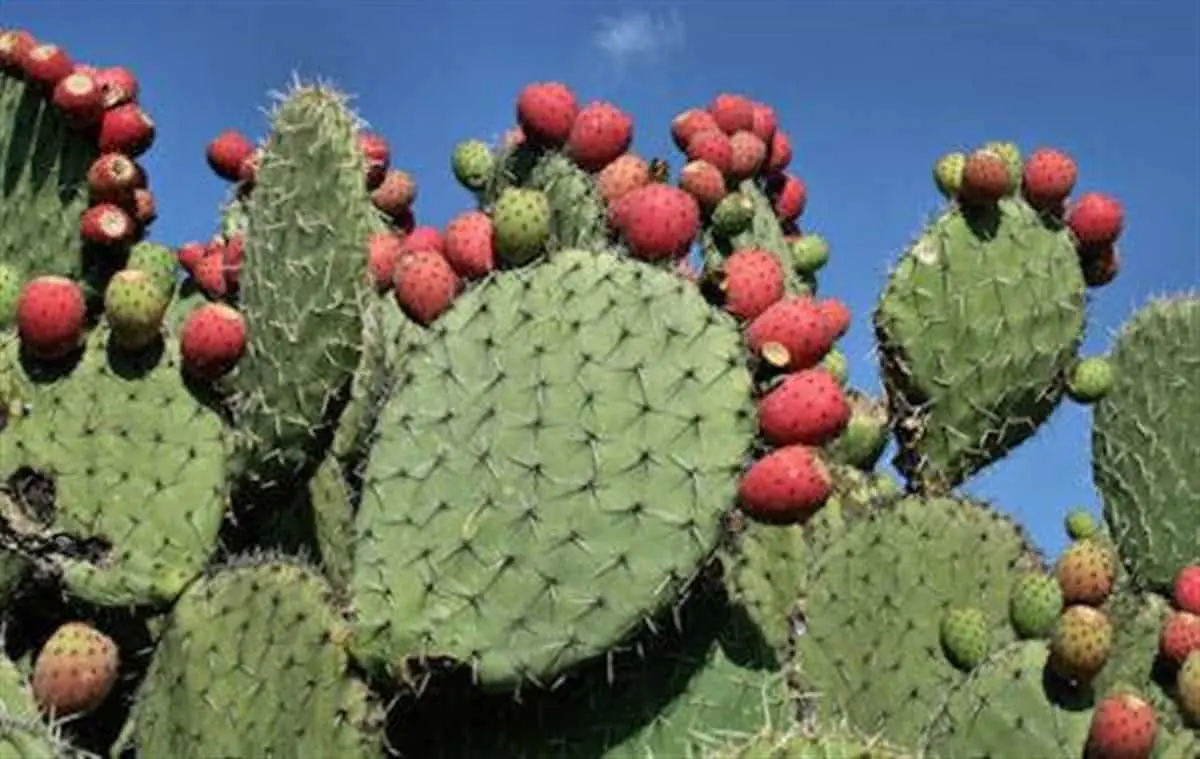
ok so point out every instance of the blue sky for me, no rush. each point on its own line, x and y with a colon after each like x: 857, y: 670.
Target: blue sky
x: 871, y: 93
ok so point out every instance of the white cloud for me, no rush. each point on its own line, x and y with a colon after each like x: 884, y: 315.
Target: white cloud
x: 638, y: 35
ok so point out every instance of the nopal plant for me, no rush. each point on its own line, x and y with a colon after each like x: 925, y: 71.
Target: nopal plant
x: 534, y: 483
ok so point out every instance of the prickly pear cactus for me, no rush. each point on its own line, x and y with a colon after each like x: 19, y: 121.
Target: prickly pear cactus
x: 977, y: 326
x: 252, y: 664
x: 1143, y: 449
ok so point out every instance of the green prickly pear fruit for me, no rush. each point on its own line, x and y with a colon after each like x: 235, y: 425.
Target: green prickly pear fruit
x: 1090, y: 380
x: 866, y: 435
x: 1085, y: 573
x: 10, y: 293
x: 836, y: 363
x: 134, y: 307
x: 472, y: 164
x: 1035, y: 605
x: 948, y: 173
x: 733, y: 214
x: 521, y: 225
x: 1187, y: 688
x: 965, y: 637
x: 1081, y: 525
x: 156, y: 260
x: 75, y: 670
x: 809, y: 253
x: 1081, y: 644
x: 1010, y: 153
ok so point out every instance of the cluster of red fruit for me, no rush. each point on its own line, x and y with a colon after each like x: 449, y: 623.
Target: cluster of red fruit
x: 1125, y: 725
x: 101, y: 103
x: 1048, y: 178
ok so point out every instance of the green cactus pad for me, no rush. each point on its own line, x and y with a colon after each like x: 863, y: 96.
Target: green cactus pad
x: 251, y: 665
x: 1143, y: 441
x: 797, y: 744
x: 552, y: 469
x: 874, y: 602
x: 703, y: 681
x: 23, y: 734
x: 578, y: 216
x: 977, y: 327
x: 137, y: 462
x: 43, y: 189
x: 1006, y: 708
x: 303, y: 286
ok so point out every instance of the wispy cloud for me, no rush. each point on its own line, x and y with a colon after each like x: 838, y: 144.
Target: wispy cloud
x: 636, y: 36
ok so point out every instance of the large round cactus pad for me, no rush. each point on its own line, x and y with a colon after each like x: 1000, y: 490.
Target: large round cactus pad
x: 1009, y: 707
x: 875, y: 600
x: 43, y: 187
x: 977, y: 325
x: 137, y: 466
x: 551, y: 470
x: 1144, y: 442
x: 252, y: 665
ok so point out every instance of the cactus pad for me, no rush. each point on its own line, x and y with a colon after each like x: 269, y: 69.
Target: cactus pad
x: 1006, y: 708
x: 875, y: 599
x: 1144, y: 459
x: 977, y: 327
x: 578, y: 214
x: 129, y: 467
x: 43, y: 183
x: 552, y: 469
x: 302, y: 285
x: 251, y: 665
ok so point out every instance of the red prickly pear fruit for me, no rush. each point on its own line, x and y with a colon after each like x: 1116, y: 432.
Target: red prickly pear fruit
x: 112, y: 178
x: 233, y: 252
x: 789, y: 196
x: 751, y: 281
x: 765, y: 123
x: 212, y: 341
x: 395, y: 193
x: 985, y: 178
x: 75, y: 670
x: 378, y: 155
x: 618, y: 210
x: 383, y: 251
x: 690, y: 123
x: 837, y: 315
x: 659, y: 221
x: 189, y: 254
x: 704, y: 182
x: 1101, y: 266
x: 126, y: 129
x: 145, y: 207
x: 747, y: 155
x: 622, y: 176
x: 779, y: 156
x: 1124, y: 726
x: 798, y: 326
x: 807, y: 408
x: 468, y: 245
x: 1185, y: 591
x: 733, y: 113
x: 47, y: 65
x: 15, y: 45
x: 50, y: 317
x: 226, y: 153
x: 80, y: 99
x: 425, y: 285
x: 106, y: 224
x: 1180, y: 636
x: 209, y: 273
x: 119, y: 84
x: 1096, y: 219
x: 546, y: 112
x: 423, y: 238
x: 600, y: 134
x: 788, y: 484
x: 713, y: 147
x: 1048, y: 177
